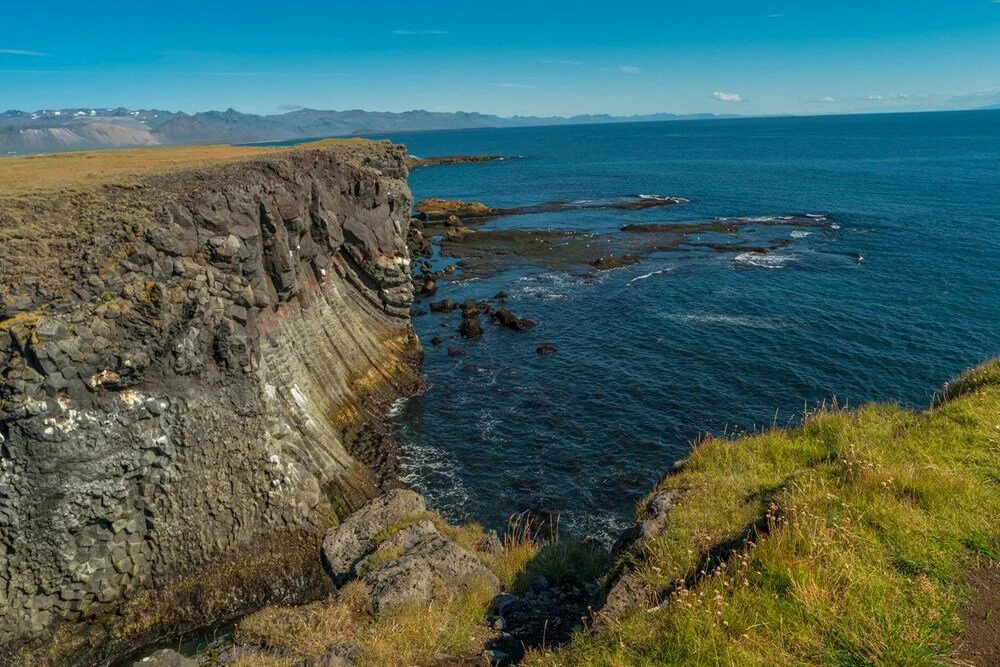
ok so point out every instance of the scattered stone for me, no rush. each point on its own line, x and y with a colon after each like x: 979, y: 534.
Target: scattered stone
x: 546, y: 349
x: 165, y: 658
x: 505, y: 318
x: 444, y: 306
x: 437, y: 340
x: 494, y: 656
x: 472, y: 308
x: 456, y: 352
x: 417, y: 312
x: 471, y: 328
x: 501, y: 296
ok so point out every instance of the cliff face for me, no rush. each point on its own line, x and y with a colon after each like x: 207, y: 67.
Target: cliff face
x: 183, y: 362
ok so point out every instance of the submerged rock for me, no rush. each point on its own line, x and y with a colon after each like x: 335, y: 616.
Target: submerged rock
x: 442, y: 209
x: 505, y: 318
x: 444, y: 306
x: 470, y: 328
x: 615, y: 262
x: 456, y: 352
x: 546, y: 349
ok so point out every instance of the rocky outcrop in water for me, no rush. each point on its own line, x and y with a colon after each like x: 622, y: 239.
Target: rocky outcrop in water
x: 184, y: 387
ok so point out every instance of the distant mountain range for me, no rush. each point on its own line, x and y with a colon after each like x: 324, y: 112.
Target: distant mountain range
x: 53, y: 131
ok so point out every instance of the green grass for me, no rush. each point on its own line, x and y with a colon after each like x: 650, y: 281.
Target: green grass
x: 842, y: 542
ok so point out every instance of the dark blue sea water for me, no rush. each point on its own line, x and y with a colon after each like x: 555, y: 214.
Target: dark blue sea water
x: 895, y: 294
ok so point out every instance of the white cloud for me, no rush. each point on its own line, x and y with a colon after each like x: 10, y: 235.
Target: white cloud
x: 727, y: 97
x: 774, y: 16
x: 22, y: 52
x: 290, y: 107
x: 419, y: 32
x: 822, y: 100
x: 624, y: 69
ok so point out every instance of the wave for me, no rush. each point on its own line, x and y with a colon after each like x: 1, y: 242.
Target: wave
x: 398, y: 406
x: 776, y: 219
x: 545, y: 286
x: 646, y: 276
x: 764, y: 261
x: 435, y: 473
x: 662, y: 198
x: 799, y: 234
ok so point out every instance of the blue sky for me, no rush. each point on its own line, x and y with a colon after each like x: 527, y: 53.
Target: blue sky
x: 515, y: 57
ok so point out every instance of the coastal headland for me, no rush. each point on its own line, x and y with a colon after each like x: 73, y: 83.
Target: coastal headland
x: 198, y: 349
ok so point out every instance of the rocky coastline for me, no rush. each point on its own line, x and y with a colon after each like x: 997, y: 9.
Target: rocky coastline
x: 195, y: 464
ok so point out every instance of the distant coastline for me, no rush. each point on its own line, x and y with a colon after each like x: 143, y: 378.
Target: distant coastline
x: 75, y: 129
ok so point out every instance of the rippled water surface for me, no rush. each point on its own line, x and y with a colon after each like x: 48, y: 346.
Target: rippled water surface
x: 897, y: 291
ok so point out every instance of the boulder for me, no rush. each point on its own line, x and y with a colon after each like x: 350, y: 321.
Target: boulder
x: 346, y: 544
x: 413, y: 563
x: 470, y: 328
x: 397, y: 552
x: 165, y: 658
x: 444, y: 306
x: 505, y: 318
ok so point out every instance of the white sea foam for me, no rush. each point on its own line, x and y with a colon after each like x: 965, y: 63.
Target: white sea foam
x: 799, y: 234
x: 397, y: 407
x: 651, y: 274
x: 764, y: 261
x: 835, y: 226
x: 434, y: 472
x: 545, y: 286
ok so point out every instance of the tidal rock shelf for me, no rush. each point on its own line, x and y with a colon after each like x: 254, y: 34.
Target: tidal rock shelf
x: 189, y: 363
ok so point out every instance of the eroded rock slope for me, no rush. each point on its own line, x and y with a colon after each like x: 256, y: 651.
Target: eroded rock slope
x: 184, y: 362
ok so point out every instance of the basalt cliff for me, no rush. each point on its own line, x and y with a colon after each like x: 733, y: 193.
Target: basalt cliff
x: 191, y: 361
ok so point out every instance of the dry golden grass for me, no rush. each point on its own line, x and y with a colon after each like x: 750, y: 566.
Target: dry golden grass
x: 21, y: 175
x: 304, y: 631
x: 413, y: 634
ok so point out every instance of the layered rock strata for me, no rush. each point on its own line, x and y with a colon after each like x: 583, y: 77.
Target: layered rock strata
x: 183, y: 363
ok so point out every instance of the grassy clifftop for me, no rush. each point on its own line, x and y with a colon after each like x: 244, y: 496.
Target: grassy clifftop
x: 844, y: 542
x: 64, y: 171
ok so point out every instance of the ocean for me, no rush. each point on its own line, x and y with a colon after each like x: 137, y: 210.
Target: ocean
x: 893, y: 291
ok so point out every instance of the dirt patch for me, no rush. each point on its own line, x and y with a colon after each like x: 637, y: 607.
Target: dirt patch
x: 980, y: 645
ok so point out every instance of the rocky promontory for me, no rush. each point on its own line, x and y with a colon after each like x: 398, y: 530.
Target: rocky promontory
x: 193, y: 363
